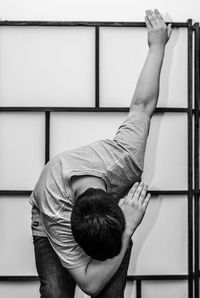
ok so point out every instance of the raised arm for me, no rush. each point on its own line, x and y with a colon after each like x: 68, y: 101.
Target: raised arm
x: 147, y: 90
x: 94, y: 276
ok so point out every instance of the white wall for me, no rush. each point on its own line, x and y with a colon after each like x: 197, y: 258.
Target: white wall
x: 111, y: 10
x: 37, y: 67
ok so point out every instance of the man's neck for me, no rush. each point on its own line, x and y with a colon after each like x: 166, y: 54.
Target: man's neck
x: 81, y: 183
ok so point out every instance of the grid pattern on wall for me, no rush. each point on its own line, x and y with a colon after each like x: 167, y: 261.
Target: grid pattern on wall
x: 192, y: 191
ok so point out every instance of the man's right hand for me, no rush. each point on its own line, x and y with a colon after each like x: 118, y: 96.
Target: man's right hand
x: 158, y: 32
x: 134, y: 206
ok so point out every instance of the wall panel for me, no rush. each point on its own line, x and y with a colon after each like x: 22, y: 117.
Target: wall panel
x: 47, y: 66
x: 16, y: 253
x: 165, y: 165
x: 21, y: 150
x: 122, y: 55
x: 165, y: 289
x: 72, y: 130
x: 19, y: 289
x: 160, y: 242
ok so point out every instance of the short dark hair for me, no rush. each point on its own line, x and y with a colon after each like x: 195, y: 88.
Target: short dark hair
x: 97, y: 224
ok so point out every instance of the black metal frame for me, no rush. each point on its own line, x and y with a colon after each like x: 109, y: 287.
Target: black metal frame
x: 190, y: 161
x: 196, y: 160
x: 190, y: 192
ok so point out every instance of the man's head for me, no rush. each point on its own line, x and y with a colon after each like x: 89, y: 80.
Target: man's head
x: 97, y: 224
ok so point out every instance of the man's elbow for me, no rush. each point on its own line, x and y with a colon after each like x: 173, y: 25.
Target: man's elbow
x: 92, y: 289
x: 144, y: 107
x: 86, y: 283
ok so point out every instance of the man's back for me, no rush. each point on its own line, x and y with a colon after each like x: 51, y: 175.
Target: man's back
x: 117, y: 162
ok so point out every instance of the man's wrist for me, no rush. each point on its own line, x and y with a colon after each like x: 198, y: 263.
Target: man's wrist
x: 157, y: 48
x: 128, y: 233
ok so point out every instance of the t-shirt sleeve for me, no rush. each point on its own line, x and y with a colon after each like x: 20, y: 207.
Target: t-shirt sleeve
x: 132, y: 136
x: 61, y: 239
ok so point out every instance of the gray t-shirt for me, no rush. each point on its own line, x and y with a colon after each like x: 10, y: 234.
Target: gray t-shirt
x: 119, y: 162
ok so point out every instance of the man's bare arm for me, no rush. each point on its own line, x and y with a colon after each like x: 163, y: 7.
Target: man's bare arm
x: 147, y: 90
x: 94, y: 276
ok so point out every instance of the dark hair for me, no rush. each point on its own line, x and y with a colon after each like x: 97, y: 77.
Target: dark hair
x: 97, y: 224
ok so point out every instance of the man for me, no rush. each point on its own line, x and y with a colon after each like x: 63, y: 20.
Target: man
x: 82, y: 231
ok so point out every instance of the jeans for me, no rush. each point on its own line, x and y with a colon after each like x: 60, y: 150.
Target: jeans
x: 56, y: 282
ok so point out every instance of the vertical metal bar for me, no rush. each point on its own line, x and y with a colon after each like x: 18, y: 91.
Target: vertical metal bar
x: 190, y: 165
x: 47, y: 136
x: 196, y: 159
x: 97, y: 66
x: 138, y: 288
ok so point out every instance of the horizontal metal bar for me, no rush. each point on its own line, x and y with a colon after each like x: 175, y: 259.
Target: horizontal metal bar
x: 19, y: 278
x: 168, y: 192
x: 86, y: 109
x: 15, y: 192
x: 129, y: 277
x: 84, y: 24
x: 158, y: 277
x: 153, y: 192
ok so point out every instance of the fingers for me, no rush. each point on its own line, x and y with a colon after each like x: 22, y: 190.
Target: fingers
x: 158, y: 15
x: 139, y: 191
x: 143, y: 194
x: 130, y: 195
x: 151, y: 17
x: 146, y: 201
x: 138, y: 194
x: 154, y: 18
x: 148, y: 24
x: 133, y: 189
x: 169, y: 30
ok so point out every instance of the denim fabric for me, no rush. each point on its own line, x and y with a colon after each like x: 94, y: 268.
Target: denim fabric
x: 56, y: 282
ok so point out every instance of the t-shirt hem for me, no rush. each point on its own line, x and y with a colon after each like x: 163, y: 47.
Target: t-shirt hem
x: 37, y: 233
